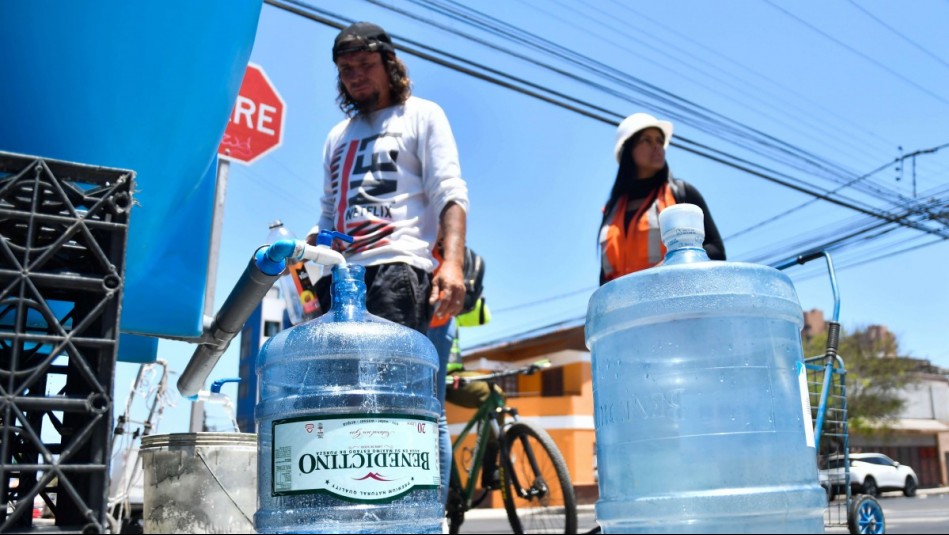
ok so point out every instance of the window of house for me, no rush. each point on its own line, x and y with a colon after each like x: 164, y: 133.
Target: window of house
x: 551, y: 382
x: 509, y: 385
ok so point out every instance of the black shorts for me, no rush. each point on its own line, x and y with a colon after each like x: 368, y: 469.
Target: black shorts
x: 397, y: 292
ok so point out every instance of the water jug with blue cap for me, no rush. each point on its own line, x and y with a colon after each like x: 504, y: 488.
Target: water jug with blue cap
x: 702, y: 417
x: 347, y: 418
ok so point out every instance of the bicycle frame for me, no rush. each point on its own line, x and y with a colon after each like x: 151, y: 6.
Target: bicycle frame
x: 495, y: 425
x: 486, y: 414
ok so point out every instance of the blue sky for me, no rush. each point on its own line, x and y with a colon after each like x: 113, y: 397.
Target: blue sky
x: 841, y: 86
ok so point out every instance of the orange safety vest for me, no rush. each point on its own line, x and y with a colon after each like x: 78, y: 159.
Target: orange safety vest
x: 637, y: 246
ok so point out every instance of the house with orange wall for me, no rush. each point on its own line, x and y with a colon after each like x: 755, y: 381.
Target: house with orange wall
x: 559, y: 398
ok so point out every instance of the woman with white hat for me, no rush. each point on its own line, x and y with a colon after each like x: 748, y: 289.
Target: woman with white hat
x: 629, y: 233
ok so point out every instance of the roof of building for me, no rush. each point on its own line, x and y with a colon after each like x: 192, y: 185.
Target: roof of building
x: 922, y: 425
x: 548, y: 339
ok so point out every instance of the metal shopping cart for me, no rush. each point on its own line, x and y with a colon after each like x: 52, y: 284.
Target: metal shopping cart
x: 827, y: 389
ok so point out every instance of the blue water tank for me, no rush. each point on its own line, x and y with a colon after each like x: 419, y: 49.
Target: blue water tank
x: 347, y: 423
x: 701, y: 412
x: 146, y: 86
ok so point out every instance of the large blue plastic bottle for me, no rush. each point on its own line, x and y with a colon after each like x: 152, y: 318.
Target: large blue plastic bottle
x: 347, y: 418
x: 701, y: 412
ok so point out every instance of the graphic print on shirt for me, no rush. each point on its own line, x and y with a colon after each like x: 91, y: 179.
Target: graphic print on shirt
x: 362, y: 209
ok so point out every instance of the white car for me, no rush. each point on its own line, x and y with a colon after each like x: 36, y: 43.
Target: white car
x: 869, y: 473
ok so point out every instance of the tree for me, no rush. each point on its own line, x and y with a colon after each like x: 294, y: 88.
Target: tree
x: 875, y: 376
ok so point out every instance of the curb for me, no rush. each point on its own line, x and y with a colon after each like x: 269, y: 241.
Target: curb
x: 934, y: 490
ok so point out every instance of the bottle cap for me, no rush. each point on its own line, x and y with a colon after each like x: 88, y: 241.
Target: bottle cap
x: 682, y: 225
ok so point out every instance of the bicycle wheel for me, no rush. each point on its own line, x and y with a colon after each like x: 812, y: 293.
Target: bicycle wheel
x: 538, y: 494
x: 455, y: 508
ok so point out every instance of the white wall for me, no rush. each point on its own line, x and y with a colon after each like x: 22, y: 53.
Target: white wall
x: 927, y: 400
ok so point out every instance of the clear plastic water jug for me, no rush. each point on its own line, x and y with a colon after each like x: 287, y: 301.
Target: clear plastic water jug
x: 347, y: 418
x: 701, y: 411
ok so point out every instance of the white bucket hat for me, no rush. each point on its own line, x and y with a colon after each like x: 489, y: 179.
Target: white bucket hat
x: 636, y: 122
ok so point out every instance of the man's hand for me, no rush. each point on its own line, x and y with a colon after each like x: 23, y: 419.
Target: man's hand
x: 448, y: 286
x: 448, y: 291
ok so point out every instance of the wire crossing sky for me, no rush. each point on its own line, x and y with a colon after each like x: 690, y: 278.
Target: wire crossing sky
x: 719, y: 126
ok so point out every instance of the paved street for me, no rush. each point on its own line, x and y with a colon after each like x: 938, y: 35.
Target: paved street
x: 927, y: 513
x: 495, y: 520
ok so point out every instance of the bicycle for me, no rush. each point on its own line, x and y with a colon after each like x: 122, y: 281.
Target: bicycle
x: 827, y: 383
x: 532, y: 475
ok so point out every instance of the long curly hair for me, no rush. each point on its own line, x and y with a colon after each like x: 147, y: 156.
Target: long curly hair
x: 400, y: 86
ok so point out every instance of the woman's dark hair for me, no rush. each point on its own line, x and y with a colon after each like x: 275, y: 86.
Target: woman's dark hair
x: 400, y: 86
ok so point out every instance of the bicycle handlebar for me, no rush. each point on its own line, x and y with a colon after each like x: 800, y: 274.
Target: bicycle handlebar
x: 530, y: 369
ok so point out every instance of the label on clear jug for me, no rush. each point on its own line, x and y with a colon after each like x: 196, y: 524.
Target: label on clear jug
x: 361, y: 457
x: 805, y: 405
x: 676, y: 238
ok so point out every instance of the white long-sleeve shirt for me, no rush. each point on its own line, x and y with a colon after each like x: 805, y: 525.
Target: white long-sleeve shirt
x: 387, y: 177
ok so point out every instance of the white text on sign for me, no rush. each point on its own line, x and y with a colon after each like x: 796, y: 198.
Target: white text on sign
x: 246, y: 109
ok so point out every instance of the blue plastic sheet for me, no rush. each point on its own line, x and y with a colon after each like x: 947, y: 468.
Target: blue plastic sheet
x: 146, y: 86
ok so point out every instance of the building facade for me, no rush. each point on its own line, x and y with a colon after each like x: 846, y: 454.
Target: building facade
x: 919, y: 438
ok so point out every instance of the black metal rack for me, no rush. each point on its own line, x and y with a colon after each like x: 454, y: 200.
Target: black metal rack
x: 63, y: 232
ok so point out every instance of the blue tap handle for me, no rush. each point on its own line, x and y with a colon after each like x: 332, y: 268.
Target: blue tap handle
x: 326, y: 237
x: 216, y: 385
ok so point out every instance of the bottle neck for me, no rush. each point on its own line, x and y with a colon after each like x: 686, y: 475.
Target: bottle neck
x: 684, y: 243
x: 348, y: 292
x: 685, y: 255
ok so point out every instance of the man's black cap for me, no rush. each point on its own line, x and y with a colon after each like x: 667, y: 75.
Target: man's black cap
x: 362, y: 36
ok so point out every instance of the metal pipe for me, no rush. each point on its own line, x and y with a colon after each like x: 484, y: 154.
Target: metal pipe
x: 262, y: 271
x: 249, y: 291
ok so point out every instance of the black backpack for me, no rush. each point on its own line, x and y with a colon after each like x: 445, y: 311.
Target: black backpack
x: 474, y: 279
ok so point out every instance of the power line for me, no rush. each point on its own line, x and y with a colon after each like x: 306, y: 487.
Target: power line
x: 682, y: 110
x: 703, y: 150
x: 837, y: 201
x: 840, y: 265
x: 469, y: 11
x: 558, y: 297
x: 907, y: 219
x: 674, y: 106
x: 893, y: 253
x: 898, y: 34
x: 754, y: 72
x: 812, y: 201
x: 453, y: 66
x: 738, y: 90
x: 857, y: 52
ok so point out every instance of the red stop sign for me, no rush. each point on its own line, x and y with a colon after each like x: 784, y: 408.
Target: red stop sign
x: 256, y: 124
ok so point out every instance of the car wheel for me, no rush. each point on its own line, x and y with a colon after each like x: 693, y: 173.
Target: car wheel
x: 870, y: 487
x: 910, y: 489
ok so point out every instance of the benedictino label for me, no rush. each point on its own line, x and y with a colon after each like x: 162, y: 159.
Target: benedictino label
x: 363, y: 458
